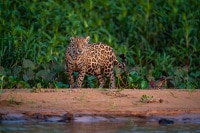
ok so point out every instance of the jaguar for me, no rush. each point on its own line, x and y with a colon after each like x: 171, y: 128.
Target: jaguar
x: 96, y: 59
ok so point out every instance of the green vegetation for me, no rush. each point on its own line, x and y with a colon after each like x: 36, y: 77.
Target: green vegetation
x: 147, y: 99
x: 159, y: 38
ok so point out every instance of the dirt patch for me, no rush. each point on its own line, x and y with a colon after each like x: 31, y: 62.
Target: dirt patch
x: 101, y: 102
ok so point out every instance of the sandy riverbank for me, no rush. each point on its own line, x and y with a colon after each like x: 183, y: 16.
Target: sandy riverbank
x: 127, y: 102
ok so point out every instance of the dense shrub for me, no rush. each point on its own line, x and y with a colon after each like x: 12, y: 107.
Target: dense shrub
x: 159, y: 38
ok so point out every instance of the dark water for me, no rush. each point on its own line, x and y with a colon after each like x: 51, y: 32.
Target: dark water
x: 88, y: 124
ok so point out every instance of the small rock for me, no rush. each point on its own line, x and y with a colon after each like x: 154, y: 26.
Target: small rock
x: 67, y: 117
x: 39, y: 116
x: 161, y: 100
x: 13, y: 117
x: 164, y: 121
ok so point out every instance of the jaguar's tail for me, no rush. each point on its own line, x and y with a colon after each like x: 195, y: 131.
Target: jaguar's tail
x: 123, y: 64
x: 123, y: 57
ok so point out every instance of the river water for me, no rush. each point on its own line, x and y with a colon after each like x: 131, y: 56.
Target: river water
x: 96, y: 124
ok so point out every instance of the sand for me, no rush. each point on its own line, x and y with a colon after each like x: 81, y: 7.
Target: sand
x: 128, y: 102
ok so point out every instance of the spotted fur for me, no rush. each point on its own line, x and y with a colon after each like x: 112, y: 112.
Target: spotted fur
x: 95, y: 59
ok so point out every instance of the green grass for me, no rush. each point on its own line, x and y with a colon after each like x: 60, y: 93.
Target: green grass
x: 159, y: 38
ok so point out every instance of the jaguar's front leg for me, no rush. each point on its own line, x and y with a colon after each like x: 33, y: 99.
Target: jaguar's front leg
x: 80, y: 78
x: 71, y: 78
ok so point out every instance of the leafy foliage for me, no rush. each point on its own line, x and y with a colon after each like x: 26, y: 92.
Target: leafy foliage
x: 159, y: 38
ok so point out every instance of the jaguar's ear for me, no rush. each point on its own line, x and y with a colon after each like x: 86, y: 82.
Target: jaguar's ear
x: 87, y: 38
x: 72, y: 39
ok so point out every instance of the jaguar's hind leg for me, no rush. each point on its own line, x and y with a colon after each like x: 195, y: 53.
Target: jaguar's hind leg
x: 100, y: 77
x: 111, y: 76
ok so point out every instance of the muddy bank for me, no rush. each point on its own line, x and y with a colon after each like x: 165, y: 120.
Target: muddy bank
x: 67, y: 117
x: 65, y: 105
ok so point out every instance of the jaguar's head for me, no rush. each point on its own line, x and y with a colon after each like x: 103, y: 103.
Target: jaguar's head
x: 80, y: 44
